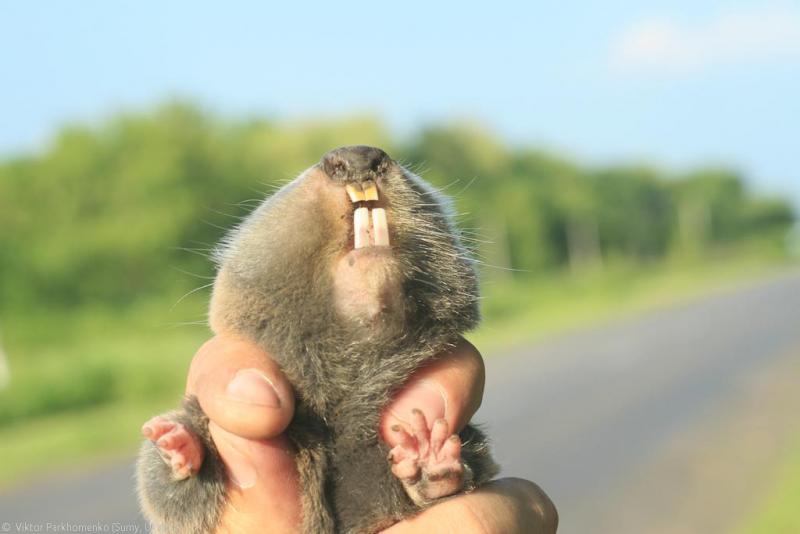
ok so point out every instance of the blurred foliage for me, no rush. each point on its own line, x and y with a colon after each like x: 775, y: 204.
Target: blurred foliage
x: 114, y: 213
x: 69, y: 387
x: 110, y: 228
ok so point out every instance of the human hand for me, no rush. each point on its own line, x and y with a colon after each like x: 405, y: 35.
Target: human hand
x: 503, y: 506
x: 250, y: 403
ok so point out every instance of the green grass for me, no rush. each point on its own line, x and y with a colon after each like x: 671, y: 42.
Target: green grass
x: 82, y: 383
x: 518, y: 313
x: 778, y: 513
x: 83, y: 437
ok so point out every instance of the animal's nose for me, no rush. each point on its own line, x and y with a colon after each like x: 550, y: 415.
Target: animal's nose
x: 355, y: 163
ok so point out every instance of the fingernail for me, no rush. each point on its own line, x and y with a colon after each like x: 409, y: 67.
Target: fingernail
x: 252, y: 387
x: 423, y: 396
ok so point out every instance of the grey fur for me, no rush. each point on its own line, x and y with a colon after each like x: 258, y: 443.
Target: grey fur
x: 275, y: 286
x: 188, y: 506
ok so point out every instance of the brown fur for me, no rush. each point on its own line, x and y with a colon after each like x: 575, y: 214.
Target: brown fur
x: 279, y: 283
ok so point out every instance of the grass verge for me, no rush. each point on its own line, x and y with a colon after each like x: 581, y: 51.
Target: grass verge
x: 81, y: 384
x: 520, y: 313
x: 778, y: 513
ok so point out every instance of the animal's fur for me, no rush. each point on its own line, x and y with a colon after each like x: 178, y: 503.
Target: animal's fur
x: 277, y: 285
x: 188, y: 506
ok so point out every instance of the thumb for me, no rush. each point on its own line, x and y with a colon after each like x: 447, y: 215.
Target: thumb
x: 241, y: 388
x: 249, y: 403
x: 450, y: 387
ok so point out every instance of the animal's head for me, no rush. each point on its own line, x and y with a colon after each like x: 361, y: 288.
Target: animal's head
x: 357, y: 249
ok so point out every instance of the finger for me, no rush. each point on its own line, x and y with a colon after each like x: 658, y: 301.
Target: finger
x: 439, y: 434
x: 506, y: 506
x: 420, y: 428
x: 405, y: 469
x: 157, y: 427
x: 451, y: 448
x: 450, y: 387
x: 263, y: 490
x: 240, y: 388
x: 402, y: 438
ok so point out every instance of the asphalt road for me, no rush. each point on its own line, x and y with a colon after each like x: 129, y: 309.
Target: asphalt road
x: 577, y: 414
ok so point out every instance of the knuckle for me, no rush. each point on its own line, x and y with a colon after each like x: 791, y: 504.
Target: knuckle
x: 471, y: 360
x: 540, y: 504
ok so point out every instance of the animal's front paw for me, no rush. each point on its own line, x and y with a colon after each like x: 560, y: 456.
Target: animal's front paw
x: 428, y: 459
x: 179, y: 447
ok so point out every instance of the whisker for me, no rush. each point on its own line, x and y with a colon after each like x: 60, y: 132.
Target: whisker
x: 195, y: 290
x: 201, y: 276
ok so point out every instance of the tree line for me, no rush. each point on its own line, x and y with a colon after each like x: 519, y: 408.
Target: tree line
x: 125, y: 209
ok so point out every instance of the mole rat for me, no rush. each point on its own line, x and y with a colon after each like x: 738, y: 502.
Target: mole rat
x: 351, y: 277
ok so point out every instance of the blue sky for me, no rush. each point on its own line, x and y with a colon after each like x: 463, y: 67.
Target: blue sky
x: 676, y: 83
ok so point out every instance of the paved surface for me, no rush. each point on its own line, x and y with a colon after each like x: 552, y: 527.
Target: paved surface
x: 577, y: 414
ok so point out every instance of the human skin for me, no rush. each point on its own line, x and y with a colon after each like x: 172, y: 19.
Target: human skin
x: 250, y: 403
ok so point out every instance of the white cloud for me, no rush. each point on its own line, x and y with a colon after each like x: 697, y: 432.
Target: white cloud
x: 733, y: 36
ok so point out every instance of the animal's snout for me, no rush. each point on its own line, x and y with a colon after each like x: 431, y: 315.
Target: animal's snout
x: 355, y: 163
x: 358, y: 169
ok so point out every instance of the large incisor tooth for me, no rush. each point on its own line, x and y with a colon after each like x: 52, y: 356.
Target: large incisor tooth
x: 370, y: 190
x: 380, y: 228
x: 361, y: 228
x: 355, y: 193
